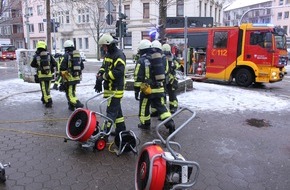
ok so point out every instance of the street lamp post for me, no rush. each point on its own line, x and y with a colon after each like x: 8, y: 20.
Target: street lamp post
x: 27, y: 25
x: 260, y: 8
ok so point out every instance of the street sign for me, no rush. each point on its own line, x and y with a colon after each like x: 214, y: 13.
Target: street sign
x: 178, y: 22
x: 109, y: 19
x: 109, y: 6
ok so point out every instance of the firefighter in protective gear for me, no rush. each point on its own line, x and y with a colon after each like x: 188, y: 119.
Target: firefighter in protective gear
x: 70, y: 67
x: 148, y: 71
x: 157, y: 47
x: 44, y: 64
x: 172, y: 83
x: 111, y: 78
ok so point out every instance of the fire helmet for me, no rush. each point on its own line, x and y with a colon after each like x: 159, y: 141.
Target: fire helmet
x: 144, y: 44
x: 68, y: 43
x: 166, y: 48
x: 107, y: 39
x: 156, y: 44
x: 41, y: 44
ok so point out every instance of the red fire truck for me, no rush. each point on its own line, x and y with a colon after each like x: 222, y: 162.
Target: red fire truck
x: 7, y: 52
x: 245, y: 54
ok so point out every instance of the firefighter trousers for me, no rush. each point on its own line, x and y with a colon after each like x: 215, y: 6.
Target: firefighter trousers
x: 173, y: 102
x: 70, y: 92
x: 45, y: 91
x: 114, y: 112
x: 144, y: 107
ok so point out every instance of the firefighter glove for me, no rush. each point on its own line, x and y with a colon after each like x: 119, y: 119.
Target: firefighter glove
x: 65, y: 75
x: 99, y: 86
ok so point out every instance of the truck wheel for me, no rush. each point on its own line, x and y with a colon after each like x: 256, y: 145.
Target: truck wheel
x: 244, y: 77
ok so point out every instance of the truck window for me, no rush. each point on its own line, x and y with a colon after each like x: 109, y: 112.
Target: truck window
x: 281, y: 42
x: 261, y: 39
x: 220, y: 39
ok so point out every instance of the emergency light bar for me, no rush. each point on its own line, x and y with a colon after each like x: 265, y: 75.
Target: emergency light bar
x: 263, y: 25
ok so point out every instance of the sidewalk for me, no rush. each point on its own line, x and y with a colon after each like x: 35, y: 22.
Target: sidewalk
x: 231, y: 151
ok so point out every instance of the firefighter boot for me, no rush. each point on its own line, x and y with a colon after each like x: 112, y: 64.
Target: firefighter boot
x: 144, y: 126
x: 118, y: 130
x: 42, y: 100
x: 71, y: 107
x: 170, y: 126
x: 48, y: 104
x: 79, y: 104
x: 173, y: 110
x: 55, y: 87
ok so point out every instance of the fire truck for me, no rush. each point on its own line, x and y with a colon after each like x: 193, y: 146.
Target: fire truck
x: 246, y: 54
x: 7, y: 51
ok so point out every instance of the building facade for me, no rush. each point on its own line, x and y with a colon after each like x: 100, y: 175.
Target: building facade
x: 11, y: 23
x: 84, y: 21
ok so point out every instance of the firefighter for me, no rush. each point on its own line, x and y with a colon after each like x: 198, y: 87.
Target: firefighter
x: 157, y: 47
x: 44, y: 62
x: 111, y: 77
x: 172, y: 83
x: 71, y: 69
x: 149, y: 78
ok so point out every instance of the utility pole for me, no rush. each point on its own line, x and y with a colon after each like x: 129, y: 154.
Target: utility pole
x: 48, y: 26
x: 27, y: 25
x: 120, y: 25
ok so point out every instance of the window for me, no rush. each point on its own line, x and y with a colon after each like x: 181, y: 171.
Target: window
x: 80, y: 43
x: 86, y: 43
x: 39, y: 10
x: 279, y: 15
x: 205, y: 10
x: 83, y: 16
x: 19, y: 29
x: 145, y: 10
x: 145, y: 35
x: 220, y: 39
x: 30, y: 11
x: 34, y: 42
x: 67, y: 20
x: 260, y: 39
x: 59, y: 17
x: 31, y: 28
x: 40, y: 27
x: 180, y: 8
x: 285, y: 28
x: 281, y: 2
x: 199, y: 8
x: 128, y: 40
x: 127, y: 11
x: 286, y: 14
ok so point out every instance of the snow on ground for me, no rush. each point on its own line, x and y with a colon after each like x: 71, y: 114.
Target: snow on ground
x: 205, y: 96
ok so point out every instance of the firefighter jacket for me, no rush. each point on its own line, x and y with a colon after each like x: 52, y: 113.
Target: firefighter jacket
x: 173, y: 65
x: 44, y: 63
x: 113, y: 73
x: 144, y: 75
x: 66, y: 69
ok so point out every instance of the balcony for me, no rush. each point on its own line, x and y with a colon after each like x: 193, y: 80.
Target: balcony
x: 65, y: 29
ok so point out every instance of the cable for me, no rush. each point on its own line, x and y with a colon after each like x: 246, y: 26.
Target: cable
x: 32, y: 133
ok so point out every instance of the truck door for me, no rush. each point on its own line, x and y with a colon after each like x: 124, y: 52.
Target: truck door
x: 221, y: 53
x: 257, y: 45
